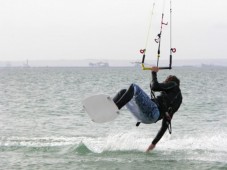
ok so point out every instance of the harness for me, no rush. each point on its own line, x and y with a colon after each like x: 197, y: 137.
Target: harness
x: 169, y: 112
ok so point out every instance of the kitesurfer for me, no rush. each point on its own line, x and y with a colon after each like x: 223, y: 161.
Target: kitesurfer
x: 150, y: 110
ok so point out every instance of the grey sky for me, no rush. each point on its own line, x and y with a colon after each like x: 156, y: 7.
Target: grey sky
x: 108, y: 29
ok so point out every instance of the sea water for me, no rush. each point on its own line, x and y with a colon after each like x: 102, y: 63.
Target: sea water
x: 44, y: 126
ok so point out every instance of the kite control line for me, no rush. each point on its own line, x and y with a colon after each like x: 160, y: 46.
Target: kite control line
x: 158, y: 40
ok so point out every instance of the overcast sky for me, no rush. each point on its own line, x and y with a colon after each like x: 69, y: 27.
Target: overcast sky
x: 109, y: 29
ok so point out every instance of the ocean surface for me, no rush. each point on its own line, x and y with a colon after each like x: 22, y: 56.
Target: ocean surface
x: 43, y: 124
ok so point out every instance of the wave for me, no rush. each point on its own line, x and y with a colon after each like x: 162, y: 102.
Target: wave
x: 123, y: 141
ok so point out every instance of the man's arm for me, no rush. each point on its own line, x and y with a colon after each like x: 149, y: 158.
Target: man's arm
x: 156, y: 86
x: 159, y: 135
x: 161, y: 131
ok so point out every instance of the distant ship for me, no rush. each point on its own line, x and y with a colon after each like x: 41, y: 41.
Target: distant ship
x: 136, y: 64
x: 99, y: 64
x: 26, y: 65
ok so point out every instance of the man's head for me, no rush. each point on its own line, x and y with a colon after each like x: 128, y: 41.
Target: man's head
x: 172, y: 78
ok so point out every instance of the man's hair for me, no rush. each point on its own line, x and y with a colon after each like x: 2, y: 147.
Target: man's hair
x: 173, y: 78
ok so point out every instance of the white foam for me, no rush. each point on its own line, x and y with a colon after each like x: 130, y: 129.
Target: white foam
x: 215, y: 142
x: 134, y: 140
x: 38, y: 142
x: 126, y: 141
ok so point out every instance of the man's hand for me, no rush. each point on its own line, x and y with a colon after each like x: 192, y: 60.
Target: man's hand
x: 155, y: 69
x: 151, y: 147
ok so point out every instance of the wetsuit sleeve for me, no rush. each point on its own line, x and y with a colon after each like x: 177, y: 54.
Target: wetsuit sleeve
x: 156, y: 86
x: 161, y: 131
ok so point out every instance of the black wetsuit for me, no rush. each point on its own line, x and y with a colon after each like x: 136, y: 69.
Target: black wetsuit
x: 169, y: 101
x: 170, y: 97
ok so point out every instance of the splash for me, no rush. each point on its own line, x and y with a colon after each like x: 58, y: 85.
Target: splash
x: 215, y: 142
x: 123, y: 141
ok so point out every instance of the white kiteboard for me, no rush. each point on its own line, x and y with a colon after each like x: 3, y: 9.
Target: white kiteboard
x: 100, y: 108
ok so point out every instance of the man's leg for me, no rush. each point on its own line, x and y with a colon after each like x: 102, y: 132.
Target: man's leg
x: 123, y: 97
x: 119, y: 95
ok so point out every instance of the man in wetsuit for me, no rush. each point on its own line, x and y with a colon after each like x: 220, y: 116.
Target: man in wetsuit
x: 148, y: 110
x: 168, y: 102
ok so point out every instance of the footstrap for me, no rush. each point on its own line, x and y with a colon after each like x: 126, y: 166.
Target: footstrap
x: 138, y: 123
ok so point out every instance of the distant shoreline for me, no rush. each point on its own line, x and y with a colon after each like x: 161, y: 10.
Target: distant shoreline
x: 112, y: 63
x: 33, y: 67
